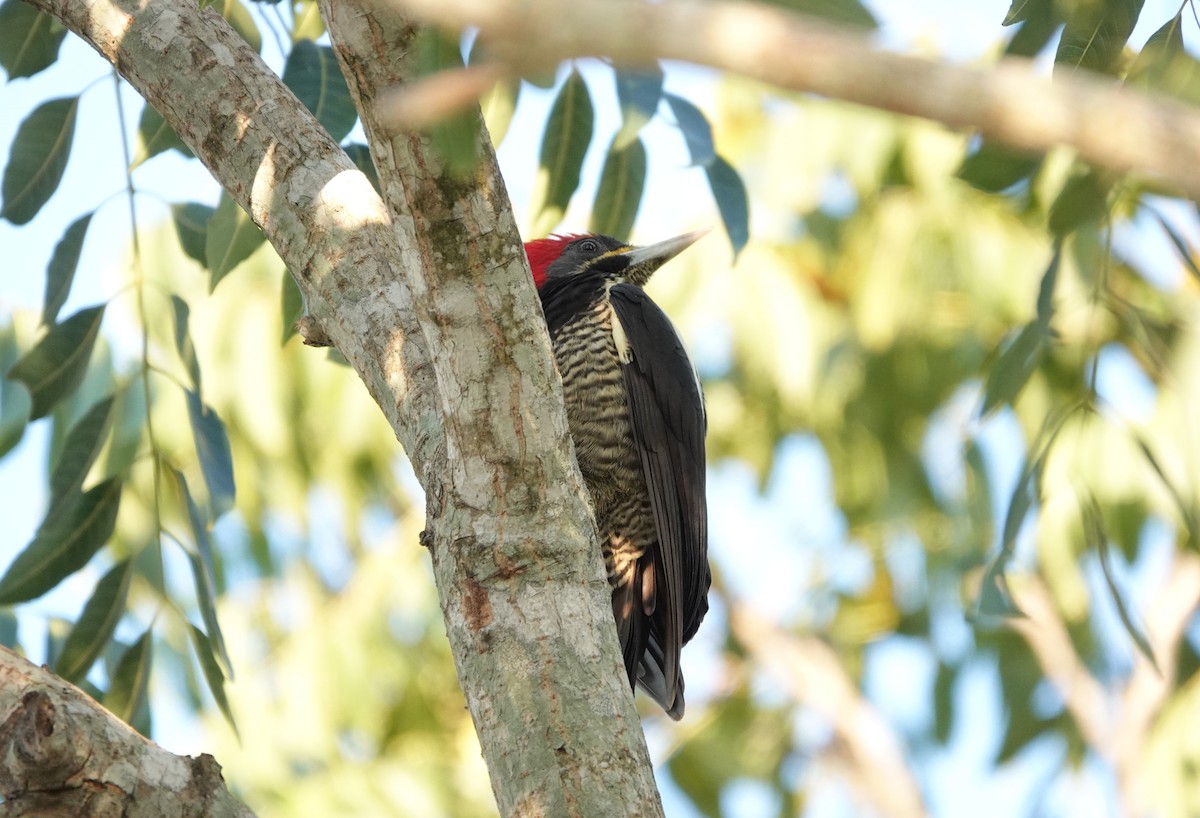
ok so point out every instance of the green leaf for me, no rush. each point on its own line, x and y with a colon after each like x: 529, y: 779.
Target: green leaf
x: 130, y: 686
x: 1186, y: 505
x: 313, y: 74
x: 203, y: 572
x: 360, y: 155
x: 1045, y: 300
x: 55, y: 367
x: 1164, y: 65
x: 65, y: 542
x: 995, y: 600
x: 696, y: 130
x: 212, y: 674
x: 994, y: 168
x: 844, y: 12
x: 307, y: 24
x: 457, y: 138
x: 240, y: 20
x: 1040, y: 20
x: 564, y: 145
x: 1019, y: 11
x: 231, y: 238
x: 15, y: 403
x: 639, y: 92
x: 60, y: 273
x: 291, y: 302
x: 212, y: 448
x: 730, y: 193
x: 191, y: 223
x: 1083, y: 199
x: 498, y: 106
x: 1012, y: 369
x: 37, y: 159
x: 1097, y: 539
x: 29, y: 39
x: 79, y: 451
x: 183, y: 341
x: 8, y: 629
x: 619, y: 195
x: 156, y: 136
x: 91, y: 634
x: 1096, y: 34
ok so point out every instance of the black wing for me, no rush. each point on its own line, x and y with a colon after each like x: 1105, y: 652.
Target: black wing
x: 666, y: 408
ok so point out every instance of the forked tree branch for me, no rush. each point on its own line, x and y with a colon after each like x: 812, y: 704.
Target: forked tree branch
x: 61, y: 754
x: 1108, y: 124
x: 431, y: 300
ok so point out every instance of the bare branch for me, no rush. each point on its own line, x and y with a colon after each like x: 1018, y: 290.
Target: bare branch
x: 811, y: 670
x: 1110, y: 125
x: 61, y: 754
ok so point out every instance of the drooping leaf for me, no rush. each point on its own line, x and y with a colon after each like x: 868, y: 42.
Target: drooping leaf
x: 291, y: 303
x: 96, y: 624
x: 498, y: 106
x: 65, y: 542
x: 995, y: 602
x: 230, y: 240
x: 308, y: 24
x: 1164, y: 64
x: 732, y: 202
x: 15, y: 403
x: 55, y: 367
x: 1186, y: 254
x: 203, y: 573
x: 1045, y: 299
x: 696, y: 130
x: 639, y: 91
x: 1083, y: 199
x: 844, y: 12
x: 1096, y: 34
x: 29, y: 39
x: 564, y: 144
x: 79, y: 451
x: 183, y: 341
x: 1012, y: 369
x: 994, y: 168
x: 1183, y: 500
x: 360, y: 155
x: 131, y: 681
x: 1039, y: 19
x: 242, y: 22
x: 8, y: 629
x: 212, y: 674
x: 37, y: 159
x: 156, y: 136
x: 457, y: 138
x: 212, y: 448
x: 191, y: 223
x: 313, y: 74
x: 1097, y: 539
x: 60, y: 272
x: 619, y: 195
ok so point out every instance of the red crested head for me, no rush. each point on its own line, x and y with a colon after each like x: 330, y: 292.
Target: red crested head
x: 544, y: 252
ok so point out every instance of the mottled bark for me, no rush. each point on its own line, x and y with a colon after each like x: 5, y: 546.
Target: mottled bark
x: 430, y: 300
x: 61, y: 754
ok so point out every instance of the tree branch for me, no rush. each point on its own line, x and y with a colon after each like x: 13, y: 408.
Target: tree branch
x: 433, y: 305
x: 1108, y: 124
x: 812, y: 672
x: 61, y: 754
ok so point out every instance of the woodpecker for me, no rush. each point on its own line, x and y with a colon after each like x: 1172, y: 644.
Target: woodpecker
x: 636, y: 415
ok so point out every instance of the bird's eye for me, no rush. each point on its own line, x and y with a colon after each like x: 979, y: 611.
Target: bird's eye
x: 589, y: 246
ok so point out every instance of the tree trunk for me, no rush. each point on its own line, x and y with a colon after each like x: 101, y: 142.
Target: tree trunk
x: 430, y: 299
